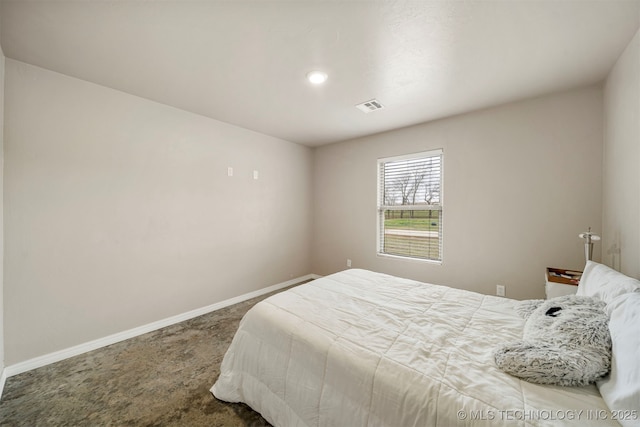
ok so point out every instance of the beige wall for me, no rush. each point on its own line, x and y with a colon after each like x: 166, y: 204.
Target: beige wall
x: 119, y: 211
x: 2, y: 363
x: 520, y: 182
x: 621, y: 177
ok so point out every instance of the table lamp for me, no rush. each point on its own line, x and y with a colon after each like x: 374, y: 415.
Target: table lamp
x: 589, y: 238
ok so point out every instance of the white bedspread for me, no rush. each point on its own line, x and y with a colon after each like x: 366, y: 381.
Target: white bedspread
x: 359, y: 348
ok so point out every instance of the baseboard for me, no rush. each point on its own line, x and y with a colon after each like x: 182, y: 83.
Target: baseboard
x: 3, y: 379
x: 57, y: 356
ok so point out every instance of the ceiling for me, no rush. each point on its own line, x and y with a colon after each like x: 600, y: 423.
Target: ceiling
x: 244, y: 62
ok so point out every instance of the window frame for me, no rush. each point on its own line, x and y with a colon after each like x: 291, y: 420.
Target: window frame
x: 381, y: 208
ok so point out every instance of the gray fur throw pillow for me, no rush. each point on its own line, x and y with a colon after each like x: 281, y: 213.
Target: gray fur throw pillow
x: 565, y: 342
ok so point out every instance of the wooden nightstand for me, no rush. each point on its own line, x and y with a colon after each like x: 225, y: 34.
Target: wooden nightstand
x: 560, y: 282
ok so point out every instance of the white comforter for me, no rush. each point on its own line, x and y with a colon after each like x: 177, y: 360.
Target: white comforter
x: 359, y: 348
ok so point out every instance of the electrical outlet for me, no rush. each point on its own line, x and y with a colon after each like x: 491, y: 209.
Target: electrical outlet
x: 348, y: 263
x: 500, y: 290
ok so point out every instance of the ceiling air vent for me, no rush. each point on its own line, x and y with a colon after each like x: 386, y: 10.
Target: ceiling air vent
x: 370, y: 106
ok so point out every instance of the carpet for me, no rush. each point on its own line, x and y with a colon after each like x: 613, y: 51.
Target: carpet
x: 161, y: 378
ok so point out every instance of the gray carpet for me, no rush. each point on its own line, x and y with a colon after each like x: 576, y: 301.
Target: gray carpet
x: 158, y: 379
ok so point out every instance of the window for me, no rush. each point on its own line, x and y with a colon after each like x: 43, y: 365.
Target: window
x: 410, y: 206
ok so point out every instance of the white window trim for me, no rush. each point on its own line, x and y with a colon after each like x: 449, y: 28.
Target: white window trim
x: 379, y: 253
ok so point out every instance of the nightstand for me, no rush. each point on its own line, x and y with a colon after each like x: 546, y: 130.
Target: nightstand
x: 560, y: 282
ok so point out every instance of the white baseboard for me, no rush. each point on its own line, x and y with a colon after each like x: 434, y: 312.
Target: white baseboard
x: 57, y: 356
x: 3, y: 379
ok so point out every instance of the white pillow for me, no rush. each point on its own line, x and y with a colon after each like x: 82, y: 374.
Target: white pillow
x: 603, y: 282
x: 621, y: 389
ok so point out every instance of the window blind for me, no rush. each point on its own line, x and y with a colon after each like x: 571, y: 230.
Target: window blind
x: 410, y: 206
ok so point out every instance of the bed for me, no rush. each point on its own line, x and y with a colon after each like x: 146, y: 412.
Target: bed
x: 359, y: 348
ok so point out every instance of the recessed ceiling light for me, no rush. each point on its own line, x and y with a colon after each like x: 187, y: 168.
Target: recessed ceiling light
x: 317, y: 77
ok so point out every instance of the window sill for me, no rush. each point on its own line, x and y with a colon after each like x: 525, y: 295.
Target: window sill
x: 404, y: 258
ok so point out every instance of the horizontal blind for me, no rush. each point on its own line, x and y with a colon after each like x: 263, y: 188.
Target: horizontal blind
x: 410, y: 206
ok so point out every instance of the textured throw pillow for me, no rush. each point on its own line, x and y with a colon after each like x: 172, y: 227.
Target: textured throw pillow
x: 605, y: 283
x: 621, y: 389
x: 565, y: 342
